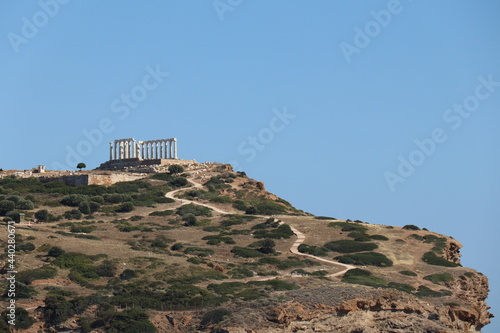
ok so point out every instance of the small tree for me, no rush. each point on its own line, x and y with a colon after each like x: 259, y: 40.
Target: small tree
x: 175, y: 168
x: 81, y: 166
x: 267, y: 246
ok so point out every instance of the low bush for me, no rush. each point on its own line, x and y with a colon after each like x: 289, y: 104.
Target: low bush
x: 196, y: 210
x: 408, y: 273
x: 349, y: 246
x: 162, y: 213
x: 424, y: 291
x: 244, y: 252
x: 199, y: 251
x: 378, y: 237
x: 432, y: 259
x: 282, y: 232
x: 26, y: 247
x: 411, y: 227
x: 214, y: 316
x: 42, y: 273
x: 401, y: 287
x: 125, y: 207
x: 231, y: 220
x: 439, y: 278
x: 366, y: 258
x: 73, y: 214
x: 314, y: 250
x: 217, y: 239
x: 221, y: 199
x: 364, y: 277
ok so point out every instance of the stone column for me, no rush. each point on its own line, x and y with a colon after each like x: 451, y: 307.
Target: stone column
x: 175, y: 148
x: 110, y: 151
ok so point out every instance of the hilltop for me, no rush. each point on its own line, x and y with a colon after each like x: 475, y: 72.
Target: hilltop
x: 202, y: 248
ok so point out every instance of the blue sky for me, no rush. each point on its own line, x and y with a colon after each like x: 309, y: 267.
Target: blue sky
x: 320, y: 100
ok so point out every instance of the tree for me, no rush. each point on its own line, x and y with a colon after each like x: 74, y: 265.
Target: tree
x: 6, y: 206
x: 175, y: 168
x: 267, y: 246
x: 25, y: 204
x: 125, y: 207
x: 81, y: 166
x: 55, y: 251
x: 107, y: 269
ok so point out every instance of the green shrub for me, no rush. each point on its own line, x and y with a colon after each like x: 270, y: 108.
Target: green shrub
x: 348, y: 226
x: 314, y: 250
x: 431, y: 259
x: 217, y: 239
x: 125, y: 207
x: 73, y: 214
x: 175, y: 169
x: 73, y: 200
x: 231, y: 220
x: 42, y: 273
x: 179, y: 182
x: 378, y: 237
x: 13, y: 215
x: 189, y: 219
x: 162, y: 213
x: 177, y: 247
x: 128, y: 274
x: 365, y: 258
x: 199, y: 251
x: 56, y: 310
x: 276, y: 284
x: 27, y: 247
x: 82, y: 229
x: 408, y: 273
x: 423, y: 291
x: 226, y: 288
x: 282, y: 232
x: 401, y: 287
x: 364, y: 277
x: 269, y: 261
x: 107, y: 269
x: 195, y: 260
x: 25, y: 205
x: 6, y: 206
x: 411, y: 227
x: 196, y: 210
x: 324, y: 218
x: 214, y: 316
x: 244, y: 252
x: 439, y: 278
x: 55, y: 252
x: 240, y: 273
x: 349, y: 246
x: 221, y: 199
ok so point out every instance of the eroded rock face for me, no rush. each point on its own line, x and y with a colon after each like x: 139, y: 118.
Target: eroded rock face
x: 452, y: 251
x: 371, y: 310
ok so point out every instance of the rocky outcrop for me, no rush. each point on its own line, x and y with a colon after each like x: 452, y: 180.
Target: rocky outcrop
x: 368, y: 310
x: 452, y: 251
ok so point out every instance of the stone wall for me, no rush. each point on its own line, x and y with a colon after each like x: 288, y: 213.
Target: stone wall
x: 96, y: 179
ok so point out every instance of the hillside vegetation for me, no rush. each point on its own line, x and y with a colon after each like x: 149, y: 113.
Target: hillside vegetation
x: 112, y: 258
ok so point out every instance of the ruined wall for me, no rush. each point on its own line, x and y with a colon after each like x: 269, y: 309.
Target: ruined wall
x: 96, y: 179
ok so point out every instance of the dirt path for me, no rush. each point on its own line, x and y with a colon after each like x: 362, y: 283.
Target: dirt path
x: 294, y: 248
x: 172, y: 194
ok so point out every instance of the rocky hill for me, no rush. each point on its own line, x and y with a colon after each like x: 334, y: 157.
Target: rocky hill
x: 202, y: 248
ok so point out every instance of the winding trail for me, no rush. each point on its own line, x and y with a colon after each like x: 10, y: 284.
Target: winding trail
x: 293, y: 249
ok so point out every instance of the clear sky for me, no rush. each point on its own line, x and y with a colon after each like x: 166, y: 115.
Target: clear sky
x: 383, y: 111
